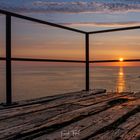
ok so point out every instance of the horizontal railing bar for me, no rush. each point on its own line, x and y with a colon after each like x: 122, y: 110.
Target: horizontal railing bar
x: 72, y: 61
x: 40, y: 21
x: 106, y: 61
x: 114, y: 30
x: 48, y: 60
x: 2, y: 58
x: 43, y: 60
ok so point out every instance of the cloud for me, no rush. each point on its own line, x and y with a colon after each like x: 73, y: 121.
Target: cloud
x: 102, y: 24
x: 82, y: 6
x: 79, y: 6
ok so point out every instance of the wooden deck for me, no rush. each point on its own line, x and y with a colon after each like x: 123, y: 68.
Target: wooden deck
x: 74, y: 116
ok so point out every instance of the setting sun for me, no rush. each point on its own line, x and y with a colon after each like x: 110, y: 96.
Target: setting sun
x: 121, y: 59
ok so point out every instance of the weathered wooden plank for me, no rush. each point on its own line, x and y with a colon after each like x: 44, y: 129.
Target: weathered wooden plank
x: 69, y: 117
x: 70, y: 95
x: 38, y: 112
x: 63, y: 113
x: 122, y: 131
x: 21, y: 110
x: 38, y: 116
x: 92, y: 124
x: 103, y: 98
x: 133, y: 134
x: 35, y: 125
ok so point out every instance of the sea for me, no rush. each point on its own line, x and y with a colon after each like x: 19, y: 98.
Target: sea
x: 33, y: 81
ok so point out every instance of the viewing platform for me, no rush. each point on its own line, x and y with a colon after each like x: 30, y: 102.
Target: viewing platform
x: 81, y: 115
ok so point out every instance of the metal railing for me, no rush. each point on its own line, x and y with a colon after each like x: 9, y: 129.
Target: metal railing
x: 9, y: 59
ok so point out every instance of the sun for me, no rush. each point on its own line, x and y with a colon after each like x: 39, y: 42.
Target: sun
x: 121, y: 59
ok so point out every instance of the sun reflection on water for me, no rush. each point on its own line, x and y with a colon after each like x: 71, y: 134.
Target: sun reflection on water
x: 121, y: 80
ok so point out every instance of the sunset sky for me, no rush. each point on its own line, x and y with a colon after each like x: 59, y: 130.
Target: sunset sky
x: 35, y: 40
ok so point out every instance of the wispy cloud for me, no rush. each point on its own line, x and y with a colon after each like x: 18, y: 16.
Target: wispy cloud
x: 102, y: 24
x: 78, y: 6
x: 82, y: 6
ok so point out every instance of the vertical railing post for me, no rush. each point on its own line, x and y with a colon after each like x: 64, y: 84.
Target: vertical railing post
x: 87, y: 60
x: 8, y: 61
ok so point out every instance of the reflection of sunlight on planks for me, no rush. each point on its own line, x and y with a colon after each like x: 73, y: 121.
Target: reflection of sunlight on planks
x: 121, y: 80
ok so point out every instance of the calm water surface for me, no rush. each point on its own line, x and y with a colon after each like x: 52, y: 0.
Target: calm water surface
x: 30, y: 81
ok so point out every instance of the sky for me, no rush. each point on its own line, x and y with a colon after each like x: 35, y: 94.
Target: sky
x: 34, y: 40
